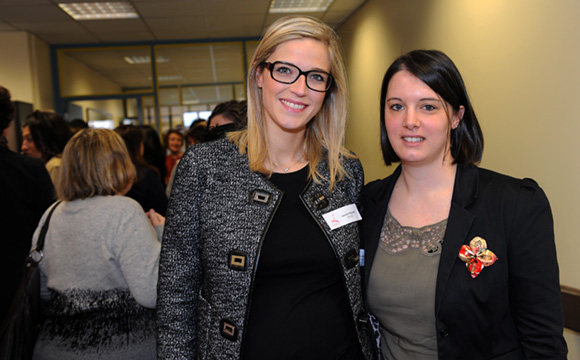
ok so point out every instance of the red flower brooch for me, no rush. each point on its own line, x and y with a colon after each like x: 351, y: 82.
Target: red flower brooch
x: 476, y: 256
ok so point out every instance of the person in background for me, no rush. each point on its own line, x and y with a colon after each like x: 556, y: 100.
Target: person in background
x: 101, y: 257
x: 225, y: 117
x: 154, y: 154
x: 174, y: 142
x: 260, y: 257
x: 45, y: 135
x: 26, y: 191
x: 77, y: 124
x: 195, y: 133
x: 224, y: 113
x: 460, y: 261
x: 147, y: 190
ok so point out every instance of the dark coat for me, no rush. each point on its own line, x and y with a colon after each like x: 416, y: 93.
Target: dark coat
x: 148, y: 190
x: 512, y: 310
x: 219, y: 212
x: 26, y: 191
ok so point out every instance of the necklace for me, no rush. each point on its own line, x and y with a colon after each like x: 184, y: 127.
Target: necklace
x: 289, y: 167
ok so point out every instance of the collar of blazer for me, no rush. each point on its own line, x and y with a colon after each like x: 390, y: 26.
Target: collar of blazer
x: 459, y: 222
x: 464, y: 193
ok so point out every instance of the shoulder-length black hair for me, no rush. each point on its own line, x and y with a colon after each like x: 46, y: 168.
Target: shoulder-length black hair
x: 133, y: 138
x: 49, y: 131
x: 437, y: 70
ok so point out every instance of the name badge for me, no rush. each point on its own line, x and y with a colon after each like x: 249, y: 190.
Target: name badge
x: 342, y: 216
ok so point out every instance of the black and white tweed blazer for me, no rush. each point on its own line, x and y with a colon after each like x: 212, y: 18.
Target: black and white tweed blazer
x: 218, y: 215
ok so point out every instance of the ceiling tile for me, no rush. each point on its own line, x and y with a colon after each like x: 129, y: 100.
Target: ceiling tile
x: 69, y: 38
x: 185, y: 23
x: 126, y: 36
x: 108, y: 26
x: 25, y: 2
x: 345, y: 5
x: 19, y: 13
x: 162, y: 9
x: 7, y: 27
x: 50, y: 27
x: 336, y: 17
x: 229, y: 7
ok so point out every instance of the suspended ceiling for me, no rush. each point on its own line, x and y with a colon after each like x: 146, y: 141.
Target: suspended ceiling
x: 204, y: 24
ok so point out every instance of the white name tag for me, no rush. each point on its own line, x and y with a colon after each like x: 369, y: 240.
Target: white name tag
x: 342, y: 216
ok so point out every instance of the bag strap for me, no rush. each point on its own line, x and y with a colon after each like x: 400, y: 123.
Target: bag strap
x: 43, y: 230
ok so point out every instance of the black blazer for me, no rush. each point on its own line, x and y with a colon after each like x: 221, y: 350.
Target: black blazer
x: 513, y: 309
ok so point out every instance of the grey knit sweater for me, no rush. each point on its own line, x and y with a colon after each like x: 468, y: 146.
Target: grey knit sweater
x: 218, y: 214
x: 99, y: 275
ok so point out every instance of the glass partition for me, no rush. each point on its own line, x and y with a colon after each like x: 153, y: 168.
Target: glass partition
x: 184, y: 82
x: 106, y: 71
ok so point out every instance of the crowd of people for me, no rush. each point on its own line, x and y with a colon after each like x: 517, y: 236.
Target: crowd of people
x: 252, y: 235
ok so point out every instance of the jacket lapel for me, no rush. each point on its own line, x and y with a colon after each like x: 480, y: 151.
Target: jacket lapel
x: 458, y: 224
x: 373, y: 219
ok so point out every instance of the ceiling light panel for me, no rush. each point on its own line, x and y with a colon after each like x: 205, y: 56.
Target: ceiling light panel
x: 144, y: 59
x: 298, y: 6
x: 100, y: 10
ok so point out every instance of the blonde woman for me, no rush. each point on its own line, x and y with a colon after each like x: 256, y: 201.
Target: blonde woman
x: 101, y: 257
x: 260, y: 253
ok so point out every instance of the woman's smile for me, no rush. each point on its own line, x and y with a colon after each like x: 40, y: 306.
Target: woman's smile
x: 293, y: 105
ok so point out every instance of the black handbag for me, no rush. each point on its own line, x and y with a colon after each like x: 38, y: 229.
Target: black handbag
x: 22, y: 323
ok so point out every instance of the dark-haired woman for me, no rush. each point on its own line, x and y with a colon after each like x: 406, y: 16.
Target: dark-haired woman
x: 45, y: 135
x: 154, y: 154
x: 147, y: 190
x: 460, y: 261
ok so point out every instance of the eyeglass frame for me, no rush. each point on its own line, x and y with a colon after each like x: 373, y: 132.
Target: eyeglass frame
x: 270, y: 66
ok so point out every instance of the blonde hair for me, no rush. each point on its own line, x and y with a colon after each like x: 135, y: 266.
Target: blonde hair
x: 95, y: 162
x: 326, y: 129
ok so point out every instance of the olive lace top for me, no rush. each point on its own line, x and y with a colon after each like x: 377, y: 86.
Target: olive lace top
x: 401, y: 290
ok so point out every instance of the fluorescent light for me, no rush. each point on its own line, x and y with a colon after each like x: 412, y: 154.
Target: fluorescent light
x: 190, y: 102
x: 298, y: 6
x: 100, y: 10
x: 168, y: 77
x: 144, y: 59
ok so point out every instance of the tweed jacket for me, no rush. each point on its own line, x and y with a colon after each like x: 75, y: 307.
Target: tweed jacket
x: 218, y: 215
x: 512, y: 309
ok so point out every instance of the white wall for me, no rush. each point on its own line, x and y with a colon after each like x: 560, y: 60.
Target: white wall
x: 16, y: 65
x: 519, y: 59
x: 25, y: 72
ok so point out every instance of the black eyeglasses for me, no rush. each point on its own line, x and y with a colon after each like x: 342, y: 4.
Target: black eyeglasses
x: 287, y: 73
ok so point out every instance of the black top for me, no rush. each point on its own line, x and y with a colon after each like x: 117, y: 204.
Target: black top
x: 298, y: 306
x: 148, y: 190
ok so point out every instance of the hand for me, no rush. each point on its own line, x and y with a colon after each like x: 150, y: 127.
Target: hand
x: 155, y: 218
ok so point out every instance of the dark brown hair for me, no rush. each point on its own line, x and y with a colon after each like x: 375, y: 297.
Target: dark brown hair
x: 437, y: 70
x: 49, y: 131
